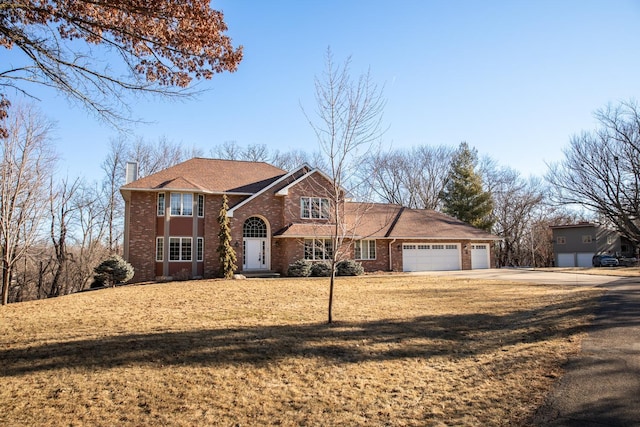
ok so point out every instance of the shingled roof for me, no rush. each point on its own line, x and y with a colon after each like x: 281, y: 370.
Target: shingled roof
x: 389, y: 221
x: 212, y: 176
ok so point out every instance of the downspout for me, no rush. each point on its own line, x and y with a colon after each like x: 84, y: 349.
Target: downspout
x: 391, y: 255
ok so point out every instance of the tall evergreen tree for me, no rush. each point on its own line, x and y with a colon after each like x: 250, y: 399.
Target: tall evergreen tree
x: 225, y: 251
x: 464, y: 196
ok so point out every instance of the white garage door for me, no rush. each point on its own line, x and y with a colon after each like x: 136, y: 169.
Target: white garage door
x: 479, y: 256
x: 566, y: 260
x: 585, y: 259
x: 431, y: 257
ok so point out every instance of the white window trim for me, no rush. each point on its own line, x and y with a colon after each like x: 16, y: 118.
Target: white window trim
x: 182, y: 206
x: 200, y: 249
x: 160, y: 243
x: 199, y: 205
x: 180, y: 249
x: 161, y: 210
x: 368, y: 257
x: 322, y: 213
x: 324, y: 257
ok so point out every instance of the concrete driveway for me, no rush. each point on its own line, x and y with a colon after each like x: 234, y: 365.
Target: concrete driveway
x: 534, y: 276
x: 601, y: 385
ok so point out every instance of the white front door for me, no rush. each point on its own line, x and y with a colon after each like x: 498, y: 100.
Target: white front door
x: 255, y: 254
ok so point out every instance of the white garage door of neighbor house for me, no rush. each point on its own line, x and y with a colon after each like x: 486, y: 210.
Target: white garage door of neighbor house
x: 585, y: 259
x: 431, y: 257
x: 479, y: 256
x: 580, y: 259
x: 567, y: 260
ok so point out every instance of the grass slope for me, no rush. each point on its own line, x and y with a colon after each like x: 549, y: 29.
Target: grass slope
x: 405, y: 350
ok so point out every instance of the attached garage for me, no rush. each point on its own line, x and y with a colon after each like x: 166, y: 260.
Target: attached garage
x: 431, y: 256
x: 573, y: 259
x: 480, y: 256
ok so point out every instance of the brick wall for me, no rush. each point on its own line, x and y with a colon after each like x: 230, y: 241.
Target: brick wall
x: 142, y: 241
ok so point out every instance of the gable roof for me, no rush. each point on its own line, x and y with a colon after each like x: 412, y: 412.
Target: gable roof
x: 211, y: 176
x: 276, y: 185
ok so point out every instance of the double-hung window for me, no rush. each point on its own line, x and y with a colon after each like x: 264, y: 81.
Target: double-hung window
x: 200, y: 249
x: 314, y: 208
x: 181, y: 204
x: 160, y: 204
x: 200, y: 205
x: 159, y: 249
x: 365, y: 249
x: 179, y: 248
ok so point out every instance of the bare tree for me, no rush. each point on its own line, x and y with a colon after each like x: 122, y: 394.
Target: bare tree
x: 289, y: 160
x: 154, y: 157
x: 88, y: 238
x: 347, y: 124
x: 27, y: 164
x: 601, y: 169
x: 113, y: 167
x: 516, y: 202
x: 413, y: 178
x: 62, y: 212
x: 228, y: 150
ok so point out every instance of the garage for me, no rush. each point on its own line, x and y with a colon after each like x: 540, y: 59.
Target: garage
x: 573, y: 259
x: 479, y: 256
x: 431, y: 257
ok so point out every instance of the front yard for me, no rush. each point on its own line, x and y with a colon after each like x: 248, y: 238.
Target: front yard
x: 405, y: 350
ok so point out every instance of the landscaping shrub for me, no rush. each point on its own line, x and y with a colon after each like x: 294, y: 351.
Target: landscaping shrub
x: 349, y: 267
x: 321, y: 269
x: 300, y: 268
x: 112, y: 271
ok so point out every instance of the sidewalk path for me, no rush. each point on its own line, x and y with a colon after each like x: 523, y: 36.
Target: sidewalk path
x: 601, y: 386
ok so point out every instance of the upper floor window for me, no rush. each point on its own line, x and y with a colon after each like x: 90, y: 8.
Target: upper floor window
x: 160, y: 204
x: 365, y: 249
x: 201, y: 205
x: 314, y: 207
x: 586, y: 238
x: 181, y: 204
x: 561, y: 240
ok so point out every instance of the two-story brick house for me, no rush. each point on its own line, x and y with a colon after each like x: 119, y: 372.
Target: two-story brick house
x: 277, y: 217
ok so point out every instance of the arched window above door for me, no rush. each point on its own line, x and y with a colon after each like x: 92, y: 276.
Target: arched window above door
x: 254, y: 227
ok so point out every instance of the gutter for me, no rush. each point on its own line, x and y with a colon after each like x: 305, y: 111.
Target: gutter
x: 391, y: 255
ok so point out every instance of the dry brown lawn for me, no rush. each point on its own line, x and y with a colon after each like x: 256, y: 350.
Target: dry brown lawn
x: 599, y: 271
x: 404, y: 351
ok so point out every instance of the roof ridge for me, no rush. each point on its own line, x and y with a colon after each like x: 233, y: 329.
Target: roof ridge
x: 394, y: 222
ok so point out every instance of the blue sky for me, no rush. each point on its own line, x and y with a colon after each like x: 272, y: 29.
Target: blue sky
x: 515, y: 79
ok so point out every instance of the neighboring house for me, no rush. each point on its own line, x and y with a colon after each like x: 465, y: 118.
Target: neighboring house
x: 575, y: 245
x: 278, y: 217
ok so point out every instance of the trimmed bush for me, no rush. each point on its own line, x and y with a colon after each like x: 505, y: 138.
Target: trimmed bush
x: 112, y: 271
x: 321, y: 269
x: 300, y: 268
x: 349, y: 267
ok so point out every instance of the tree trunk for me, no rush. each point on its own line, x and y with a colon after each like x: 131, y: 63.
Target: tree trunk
x: 6, y: 279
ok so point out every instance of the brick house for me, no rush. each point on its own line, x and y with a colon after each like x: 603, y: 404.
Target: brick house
x: 276, y: 218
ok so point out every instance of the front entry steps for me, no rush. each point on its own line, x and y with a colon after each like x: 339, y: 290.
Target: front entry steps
x: 262, y: 274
